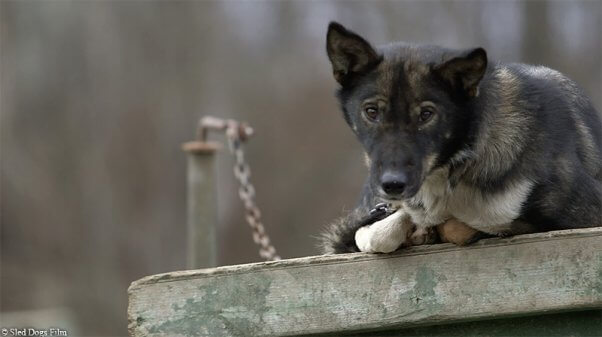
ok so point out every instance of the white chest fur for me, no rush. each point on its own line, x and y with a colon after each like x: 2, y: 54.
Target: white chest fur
x: 488, y: 212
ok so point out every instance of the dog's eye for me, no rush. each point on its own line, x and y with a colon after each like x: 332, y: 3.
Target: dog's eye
x: 371, y: 112
x: 425, y: 115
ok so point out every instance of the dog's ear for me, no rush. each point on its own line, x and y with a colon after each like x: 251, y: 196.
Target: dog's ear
x: 464, y: 72
x: 349, y: 53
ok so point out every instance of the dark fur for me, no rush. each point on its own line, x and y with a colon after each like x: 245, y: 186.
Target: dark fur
x: 511, y: 121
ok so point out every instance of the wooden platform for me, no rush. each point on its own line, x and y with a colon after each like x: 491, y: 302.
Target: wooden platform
x: 537, y: 274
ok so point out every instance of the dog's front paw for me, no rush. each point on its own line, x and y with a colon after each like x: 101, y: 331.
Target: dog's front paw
x: 369, y: 241
x: 383, y: 236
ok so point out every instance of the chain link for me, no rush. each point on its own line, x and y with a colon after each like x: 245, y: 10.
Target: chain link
x: 237, y: 133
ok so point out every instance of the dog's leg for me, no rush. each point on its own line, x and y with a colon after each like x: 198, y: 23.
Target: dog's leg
x: 458, y: 233
x: 339, y: 236
x: 384, y: 236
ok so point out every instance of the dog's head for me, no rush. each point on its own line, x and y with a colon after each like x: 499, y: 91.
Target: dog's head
x: 409, y: 105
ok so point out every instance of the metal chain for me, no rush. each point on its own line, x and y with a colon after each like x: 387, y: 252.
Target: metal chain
x: 237, y: 133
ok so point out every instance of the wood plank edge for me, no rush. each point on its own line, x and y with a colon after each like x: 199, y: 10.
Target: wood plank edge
x: 354, y: 257
x: 455, y: 319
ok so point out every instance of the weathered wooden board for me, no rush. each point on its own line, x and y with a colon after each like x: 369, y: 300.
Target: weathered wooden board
x: 573, y: 324
x: 424, y: 285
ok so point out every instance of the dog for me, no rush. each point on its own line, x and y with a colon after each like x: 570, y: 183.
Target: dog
x: 461, y: 147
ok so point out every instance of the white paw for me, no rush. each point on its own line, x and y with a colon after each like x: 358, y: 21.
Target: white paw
x: 383, y: 236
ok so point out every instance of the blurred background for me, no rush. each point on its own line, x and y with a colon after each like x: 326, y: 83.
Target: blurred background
x: 97, y: 97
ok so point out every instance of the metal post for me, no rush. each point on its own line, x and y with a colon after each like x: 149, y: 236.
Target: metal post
x: 202, y: 204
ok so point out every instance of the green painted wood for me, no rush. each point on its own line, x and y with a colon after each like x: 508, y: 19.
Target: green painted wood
x: 525, y: 275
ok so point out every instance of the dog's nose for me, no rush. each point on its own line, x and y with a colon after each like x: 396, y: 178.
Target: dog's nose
x: 393, y: 183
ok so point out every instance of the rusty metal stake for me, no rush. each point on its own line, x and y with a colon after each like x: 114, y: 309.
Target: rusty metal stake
x: 202, y: 207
